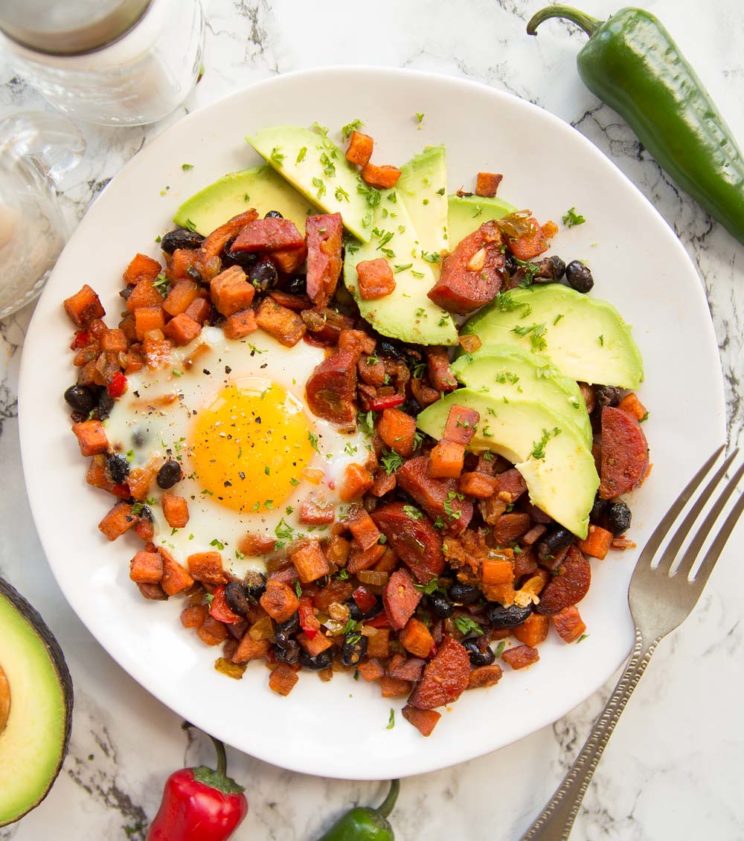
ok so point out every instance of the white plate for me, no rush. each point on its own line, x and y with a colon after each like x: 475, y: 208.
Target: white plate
x: 339, y: 729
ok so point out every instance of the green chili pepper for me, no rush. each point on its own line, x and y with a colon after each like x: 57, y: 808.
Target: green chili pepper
x: 631, y: 63
x: 363, y: 823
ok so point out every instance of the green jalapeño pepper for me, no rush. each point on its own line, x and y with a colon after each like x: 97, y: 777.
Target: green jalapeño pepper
x: 362, y: 823
x: 631, y: 63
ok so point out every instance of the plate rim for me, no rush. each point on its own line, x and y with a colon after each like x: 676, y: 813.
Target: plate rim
x: 411, y: 766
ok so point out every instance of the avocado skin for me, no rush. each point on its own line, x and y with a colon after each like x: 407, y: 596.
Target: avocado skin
x: 33, y: 617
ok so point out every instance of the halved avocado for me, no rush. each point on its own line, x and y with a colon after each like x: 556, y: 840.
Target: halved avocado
x: 260, y: 188
x: 509, y: 374
x: 35, y: 706
x: 549, y: 452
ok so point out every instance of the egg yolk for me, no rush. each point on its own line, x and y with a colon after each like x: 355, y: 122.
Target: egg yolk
x: 249, y: 447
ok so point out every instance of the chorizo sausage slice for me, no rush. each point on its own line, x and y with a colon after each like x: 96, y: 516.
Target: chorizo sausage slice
x: 400, y: 598
x: 415, y: 541
x: 568, y: 586
x: 438, y: 497
x: 624, y: 458
x: 324, y: 239
x: 268, y: 235
x: 445, y: 677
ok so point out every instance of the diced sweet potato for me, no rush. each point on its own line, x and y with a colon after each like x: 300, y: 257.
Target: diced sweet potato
x: 147, y: 319
x: 633, y: 406
x: 357, y: 481
x: 375, y: 279
x: 250, y: 649
x: 117, y: 521
x: 379, y: 644
x: 175, y: 578
x: 487, y: 184
x: 146, y: 568
x: 423, y: 720
x: 439, y: 370
x: 416, y: 638
x: 240, y: 324
x: 461, y: 425
x: 144, y: 294
x: 521, y: 656
x: 182, y: 329
x: 114, y: 341
x: 371, y: 669
x: 141, y: 266
x: 363, y: 529
x: 283, y: 679
x: 597, y: 542
x: 180, y: 296
x: 230, y: 291
x: 152, y: 591
x: 179, y: 263
x: 309, y: 561
x: 139, y: 481
x: 446, y: 460
x: 84, y: 306
x: 314, y: 645
x: 199, y: 309
x: 398, y: 431
x: 393, y: 687
x: 337, y: 551
x: 157, y: 349
x: 530, y: 245
x: 279, y: 600
x: 207, y: 568
x: 382, y: 177
x: 497, y: 570
x: 533, y: 630
x: 253, y: 544
x: 91, y: 437
x: 485, y: 676
x: 568, y: 624
x: 175, y: 510
x: 194, y: 615
x: 212, y: 632
x: 316, y: 512
x: 477, y: 484
x: 283, y: 324
x: 363, y: 559
x: 359, y: 150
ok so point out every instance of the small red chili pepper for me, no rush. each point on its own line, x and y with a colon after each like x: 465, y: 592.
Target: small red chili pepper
x: 220, y: 610
x: 364, y: 599
x: 200, y: 804
x: 118, y: 385
x: 389, y: 401
x: 308, y: 620
x: 81, y: 339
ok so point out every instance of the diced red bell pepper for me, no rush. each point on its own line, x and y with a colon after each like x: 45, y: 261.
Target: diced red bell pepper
x: 379, y: 621
x: 82, y: 338
x: 364, y: 599
x: 219, y: 609
x: 388, y: 401
x: 118, y: 385
x: 121, y: 490
x: 308, y: 620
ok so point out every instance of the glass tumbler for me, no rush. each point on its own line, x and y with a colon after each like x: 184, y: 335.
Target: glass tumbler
x: 109, y: 62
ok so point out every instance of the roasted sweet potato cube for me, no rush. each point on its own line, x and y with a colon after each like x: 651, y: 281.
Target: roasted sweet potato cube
x: 363, y: 529
x: 309, y: 561
x: 199, y: 309
x: 279, y: 600
x: 393, y: 687
x: 114, y: 341
x: 359, y: 150
x: 416, y: 638
x: 139, y: 481
x: 485, y: 676
x: 254, y: 543
x: 231, y: 292
x: 569, y: 624
x: 147, y: 319
x: 211, y: 632
x: 379, y: 644
x: 497, y: 570
x: 157, y: 349
x: 175, y: 510
x: 487, y: 184
x: 117, y: 521
x: 521, y: 656
x: 141, y: 266
x: 283, y: 679
x: 314, y: 645
x: 207, y: 568
x: 146, y: 568
x: 250, y: 649
x: 382, y: 177
x: 398, y: 431
x: 375, y: 279
x: 371, y: 669
x: 423, y: 720
x: 91, y: 437
x: 446, y: 460
x: 175, y: 578
x: 533, y: 630
x: 357, y: 481
x: 477, y: 484
x: 84, y: 306
x: 181, y: 295
x: 144, y: 294
x: 182, y: 329
x: 461, y: 425
x: 240, y: 324
x: 283, y: 324
x: 194, y: 615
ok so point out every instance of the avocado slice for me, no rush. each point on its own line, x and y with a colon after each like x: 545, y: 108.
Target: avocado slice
x: 35, y: 706
x: 407, y: 313
x: 585, y: 338
x: 312, y: 163
x: 232, y: 194
x: 551, y: 455
x: 422, y: 187
x: 467, y: 213
x: 509, y: 374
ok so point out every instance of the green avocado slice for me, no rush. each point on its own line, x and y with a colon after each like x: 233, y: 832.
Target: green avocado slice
x: 260, y: 188
x: 315, y: 166
x: 422, y: 186
x: 35, y: 706
x: 468, y: 213
x: 585, y: 338
x: 510, y: 374
x: 551, y: 455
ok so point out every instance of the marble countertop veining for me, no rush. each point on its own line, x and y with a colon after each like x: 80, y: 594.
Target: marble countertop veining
x: 675, y: 766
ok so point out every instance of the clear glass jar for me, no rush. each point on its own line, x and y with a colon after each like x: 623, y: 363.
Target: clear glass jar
x: 128, y: 73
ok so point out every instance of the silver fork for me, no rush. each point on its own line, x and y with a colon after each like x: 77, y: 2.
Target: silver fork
x: 660, y: 597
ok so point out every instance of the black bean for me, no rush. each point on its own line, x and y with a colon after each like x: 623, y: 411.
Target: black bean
x: 578, y: 276
x: 284, y: 630
x: 550, y: 269
x: 180, y: 238
x: 287, y: 652
x: 461, y: 593
x: 510, y: 263
x: 237, y: 598
x: 500, y: 617
x: 117, y: 468
x: 553, y: 542
x: 245, y: 259
x: 273, y: 214
x: 478, y: 656
x: 387, y: 348
x: 126, y: 292
x: 296, y: 285
x: 354, y: 649
x: 264, y: 275
x: 606, y: 395
x: 255, y: 584
x: 616, y: 518
x: 440, y: 605
x: 105, y: 405
x: 194, y: 274
x: 320, y: 661
x: 81, y: 398
x: 598, y: 510
x: 169, y: 473
x: 357, y: 614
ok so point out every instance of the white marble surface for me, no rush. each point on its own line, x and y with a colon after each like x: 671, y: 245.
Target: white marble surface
x: 675, y: 767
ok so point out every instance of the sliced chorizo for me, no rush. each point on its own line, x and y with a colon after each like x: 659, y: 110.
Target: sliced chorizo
x: 415, y: 541
x: 445, y: 677
x: 568, y: 586
x: 324, y: 240
x: 438, y: 497
x: 624, y: 458
x: 268, y: 235
x: 332, y: 386
x: 400, y: 598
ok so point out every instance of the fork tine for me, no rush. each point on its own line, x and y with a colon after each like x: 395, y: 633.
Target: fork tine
x: 693, y: 550
x: 715, y: 549
x: 662, y: 529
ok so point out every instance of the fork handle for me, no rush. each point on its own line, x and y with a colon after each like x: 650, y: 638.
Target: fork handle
x: 556, y: 819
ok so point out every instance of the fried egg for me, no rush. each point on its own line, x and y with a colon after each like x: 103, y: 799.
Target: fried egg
x: 234, y: 414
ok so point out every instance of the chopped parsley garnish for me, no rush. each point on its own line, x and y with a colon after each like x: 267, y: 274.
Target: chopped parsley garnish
x: 350, y: 449
x: 320, y: 186
x: 218, y: 544
x: 283, y: 530
x: 391, y: 461
x: 557, y: 318
x: 301, y: 155
x: 190, y: 225
x: 582, y: 638
x: 402, y: 268
x: 536, y: 332
x: 500, y: 648
x: 267, y: 470
x: 351, y: 127
x: 391, y: 720
x: 538, y: 448
x: 313, y: 439
x: 571, y: 218
x: 506, y: 377
x: 161, y: 284
x: 429, y: 588
x: 448, y: 509
x: 431, y: 256
x: 420, y: 117
x: 465, y: 625
x: 277, y: 156
x: 329, y: 168
x: 412, y: 512
x: 371, y: 194
x: 342, y: 574
x: 441, y: 191
x: 600, y: 339
x: 341, y: 194
x: 298, y: 589
x: 366, y: 421
x: 187, y: 167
